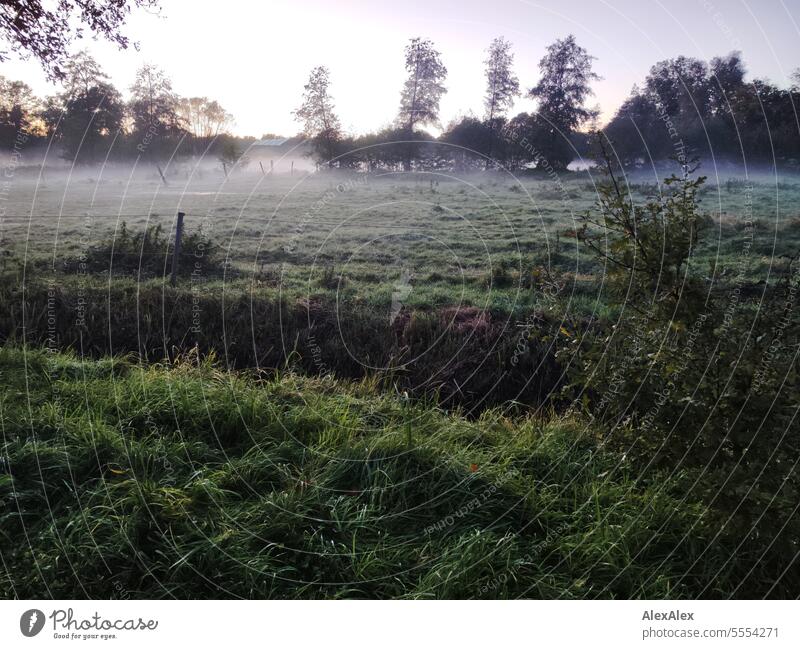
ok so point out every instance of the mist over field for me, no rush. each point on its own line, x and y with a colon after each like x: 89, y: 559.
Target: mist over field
x: 507, y: 340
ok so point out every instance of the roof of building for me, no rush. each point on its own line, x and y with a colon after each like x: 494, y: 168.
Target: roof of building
x: 278, y: 141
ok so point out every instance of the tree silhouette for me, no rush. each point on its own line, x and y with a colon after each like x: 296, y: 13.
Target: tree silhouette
x: 90, y: 117
x: 502, y: 86
x: 87, y: 113
x: 153, y: 103
x: 46, y: 30
x: 422, y: 91
x: 317, y: 114
x: 204, y: 118
x: 562, y: 92
x: 18, y: 109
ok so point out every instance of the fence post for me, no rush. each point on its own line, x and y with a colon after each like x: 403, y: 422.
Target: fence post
x: 176, y: 251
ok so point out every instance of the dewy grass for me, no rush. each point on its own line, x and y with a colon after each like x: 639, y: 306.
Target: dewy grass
x: 183, y: 480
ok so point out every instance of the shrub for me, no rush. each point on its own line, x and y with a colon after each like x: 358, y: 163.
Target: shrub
x: 148, y: 254
x: 694, y: 375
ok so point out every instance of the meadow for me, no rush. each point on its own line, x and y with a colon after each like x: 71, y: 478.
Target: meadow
x: 444, y: 239
x: 375, y: 385
x: 185, y: 481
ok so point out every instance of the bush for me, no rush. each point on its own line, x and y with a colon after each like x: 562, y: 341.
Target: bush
x: 148, y: 254
x: 695, y: 376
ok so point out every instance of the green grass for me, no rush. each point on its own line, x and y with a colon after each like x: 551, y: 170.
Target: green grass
x: 288, y: 232
x: 183, y: 480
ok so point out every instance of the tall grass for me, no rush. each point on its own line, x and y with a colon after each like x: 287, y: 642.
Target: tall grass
x: 185, y: 480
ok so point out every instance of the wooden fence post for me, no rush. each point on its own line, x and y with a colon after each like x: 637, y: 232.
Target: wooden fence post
x: 161, y: 173
x: 176, y: 252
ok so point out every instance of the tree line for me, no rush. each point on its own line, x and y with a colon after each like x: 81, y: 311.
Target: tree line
x: 685, y: 107
x: 89, y: 120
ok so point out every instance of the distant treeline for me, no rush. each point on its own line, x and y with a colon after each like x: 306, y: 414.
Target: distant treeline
x: 684, y: 108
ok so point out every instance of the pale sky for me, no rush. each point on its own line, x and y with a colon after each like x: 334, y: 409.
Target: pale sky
x: 254, y: 57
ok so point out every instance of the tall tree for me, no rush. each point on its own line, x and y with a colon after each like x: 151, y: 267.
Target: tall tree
x: 18, y: 109
x: 88, y: 114
x: 726, y: 82
x: 204, y: 118
x: 82, y: 72
x: 46, y: 30
x: 153, y: 107
x: 90, y: 121
x: 422, y: 91
x: 502, y: 86
x: 562, y: 91
x: 320, y: 122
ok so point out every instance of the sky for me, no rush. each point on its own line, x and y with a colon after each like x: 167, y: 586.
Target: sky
x: 254, y: 57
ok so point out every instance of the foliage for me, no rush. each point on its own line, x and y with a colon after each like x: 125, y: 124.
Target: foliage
x: 502, y: 86
x: 89, y: 118
x: 204, y: 118
x: 18, y: 109
x: 704, y: 109
x: 88, y: 114
x: 148, y: 253
x: 698, y: 372
x: 562, y: 90
x: 46, y: 30
x: 320, y: 122
x: 473, y: 139
x: 153, y: 111
x: 231, y: 156
x: 422, y: 91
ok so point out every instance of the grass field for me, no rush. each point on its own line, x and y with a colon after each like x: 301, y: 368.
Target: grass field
x: 438, y: 240
x: 186, y: 481
x: 359, y: 387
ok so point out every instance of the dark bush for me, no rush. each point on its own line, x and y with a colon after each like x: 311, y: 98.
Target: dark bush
x: 148, y: 254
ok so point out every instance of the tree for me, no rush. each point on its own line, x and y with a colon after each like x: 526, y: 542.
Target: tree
x: 90, y: 119
x: 469, y: 136
x: 320, y: 122
x: 81, y: 73
x: 422, y: 91
x: 18, y: 109
x: 502, y: 86
x: 727, y: 80
x: 795, y: 77
x: 153, y: 106
x: 46, y: 30
x: 562, y: 92
x: 681, y: 86
x: 231, y: 155
x: 89, y: 112
x: 202, y: 117
x: 636, y: 130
